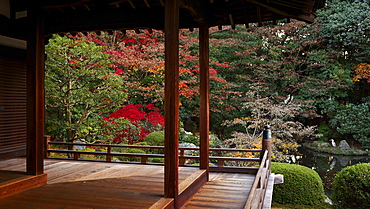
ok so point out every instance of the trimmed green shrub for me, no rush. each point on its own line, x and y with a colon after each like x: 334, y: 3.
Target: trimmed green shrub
x: 351, y: 187
x: 142, y: 143
x: 302, y: 185
x: 132, y: 159
x: 155, y: 138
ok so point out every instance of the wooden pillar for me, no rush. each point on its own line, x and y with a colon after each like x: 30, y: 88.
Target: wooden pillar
x: 266, y: 143
x: 171, y: 99
x: 35, y: 92
x: 204, y: 96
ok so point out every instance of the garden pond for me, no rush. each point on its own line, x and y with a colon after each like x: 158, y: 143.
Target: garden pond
x: 327, y: 165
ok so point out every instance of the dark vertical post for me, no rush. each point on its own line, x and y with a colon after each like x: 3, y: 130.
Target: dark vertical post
x: 47, y: 146
x: 108, y: 158
x: 35, y: 91
x: 204, y: 96
x: 171, y: 98
x: 266, y: 143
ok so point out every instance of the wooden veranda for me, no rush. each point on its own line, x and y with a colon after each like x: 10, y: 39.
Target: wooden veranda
x: 82, y: 184
x: 25, y: 25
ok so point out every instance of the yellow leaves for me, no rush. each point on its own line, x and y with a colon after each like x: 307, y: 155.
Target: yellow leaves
x: 282, y: 148
x: 244, y: 118
x: 362, y: 72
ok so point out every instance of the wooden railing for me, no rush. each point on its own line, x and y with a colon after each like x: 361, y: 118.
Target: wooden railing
x: 219, y: 162
x: 257, y: 193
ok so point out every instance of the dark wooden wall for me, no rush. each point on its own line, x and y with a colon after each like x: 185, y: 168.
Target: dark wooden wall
x: 12, y: 103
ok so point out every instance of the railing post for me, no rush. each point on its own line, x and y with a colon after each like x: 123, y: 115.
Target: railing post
x: 76, y: 156
x: 108, y: 157
x: 46, y: 146
x: 220, y: 163
x: 182, y: 159
x: 144, y: 160
x: 266, y: 143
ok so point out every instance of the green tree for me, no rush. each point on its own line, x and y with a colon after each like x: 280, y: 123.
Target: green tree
x: 290, y: 61
x: 352, y: 120
x: 346, y: 25
x: 80, y: 89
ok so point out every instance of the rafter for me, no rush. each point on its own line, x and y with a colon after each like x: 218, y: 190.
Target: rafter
x: 281, y: 12
x: 55, y: 4
x: 194, y: 8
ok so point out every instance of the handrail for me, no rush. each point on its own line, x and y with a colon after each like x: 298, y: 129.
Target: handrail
x: 257, y: 193
x: 258, y: 190
x: 153, y: 147
x: 144, y: 158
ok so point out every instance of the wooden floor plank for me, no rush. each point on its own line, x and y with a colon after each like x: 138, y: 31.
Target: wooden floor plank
x: 224, y: 190
x: 16, y: 164
x: 80, y: 185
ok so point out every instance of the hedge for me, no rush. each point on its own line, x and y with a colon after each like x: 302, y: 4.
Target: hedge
x: 302, y: 185
x: 351, y: 187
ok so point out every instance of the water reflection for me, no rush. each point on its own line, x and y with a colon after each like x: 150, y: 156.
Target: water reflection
x: 327, y: 165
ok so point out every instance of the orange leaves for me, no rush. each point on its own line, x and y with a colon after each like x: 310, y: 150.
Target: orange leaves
x: 186, y: 91
x: 362, y: 72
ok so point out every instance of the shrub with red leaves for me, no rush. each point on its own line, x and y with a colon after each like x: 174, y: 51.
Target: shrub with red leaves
x: 143, y: 118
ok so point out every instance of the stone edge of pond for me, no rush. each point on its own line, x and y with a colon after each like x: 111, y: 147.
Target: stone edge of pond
x: 335, y: 151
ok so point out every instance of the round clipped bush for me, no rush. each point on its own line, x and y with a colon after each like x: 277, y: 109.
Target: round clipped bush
x: 132, y: 159
x: 351, y: 187
x: 302, y: 185
x: 155, y: 138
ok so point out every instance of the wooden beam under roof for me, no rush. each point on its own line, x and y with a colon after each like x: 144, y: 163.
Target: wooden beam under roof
x: 195, y: 9
x: 281, y: 12
x: 62, y: 3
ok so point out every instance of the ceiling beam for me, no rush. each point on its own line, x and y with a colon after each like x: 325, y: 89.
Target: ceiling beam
x: 195, y: 9
x: 307, y: 18
x: 55, y: 4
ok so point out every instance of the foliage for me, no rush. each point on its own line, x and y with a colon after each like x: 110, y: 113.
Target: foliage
x: 143, y: 120
x: 290, y: 206
x: 353, y: 120
x: 282, y: 149
x: 191, y: 138
x: 132, y: 159
x: 155, y: 138
x: 346, y: 25
x: 352, y: 187
x: 276, y: 113
x: 325, y: 132
x: 81, y: 88
x: 362, y: 72
x: 361, y: 78
x: 288, y: 61
x: 302, y: 185
x: 291, y: 60
x: 139, y: 59
x: 220, y: 103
